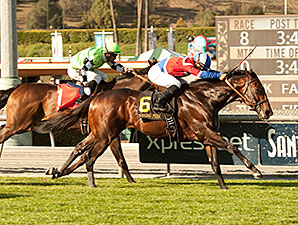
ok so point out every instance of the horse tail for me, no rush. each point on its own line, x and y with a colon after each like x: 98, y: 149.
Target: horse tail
x: 62, y: 121
x: 4, y: 95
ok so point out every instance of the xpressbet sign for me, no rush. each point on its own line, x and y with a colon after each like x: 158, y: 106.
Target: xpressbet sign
x: 162, y: 151
x: 273, y: 144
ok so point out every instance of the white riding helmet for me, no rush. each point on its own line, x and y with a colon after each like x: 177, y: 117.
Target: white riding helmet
x: 202, y: 60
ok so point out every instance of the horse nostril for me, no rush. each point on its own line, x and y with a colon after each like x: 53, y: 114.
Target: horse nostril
x: 268, y: 113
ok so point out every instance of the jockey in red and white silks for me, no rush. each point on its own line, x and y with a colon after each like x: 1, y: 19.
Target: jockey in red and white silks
x: 166, y: 72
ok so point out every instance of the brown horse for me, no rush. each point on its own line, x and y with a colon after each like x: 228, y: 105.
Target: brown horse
x: 112, y: 111
x: 28, y: 103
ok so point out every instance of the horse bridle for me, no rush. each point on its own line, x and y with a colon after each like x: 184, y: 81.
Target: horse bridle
x: 243, y: 95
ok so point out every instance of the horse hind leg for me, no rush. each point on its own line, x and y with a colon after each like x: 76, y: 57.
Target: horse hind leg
x: 212, y: 157
x: 89, y: 157
x: 118, y: 154
x: 80, y: 148
x: 70, y: 169
x: 6, y: 132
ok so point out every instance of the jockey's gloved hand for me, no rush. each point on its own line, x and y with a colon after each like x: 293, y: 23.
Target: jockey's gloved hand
x: 83, y: 77
x: 87, y: 64
x: 127, y: 70
x: 223, y: 75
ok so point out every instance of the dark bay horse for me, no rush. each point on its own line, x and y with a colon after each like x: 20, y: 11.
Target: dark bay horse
x: 28, y: 103
x: 112, y: 111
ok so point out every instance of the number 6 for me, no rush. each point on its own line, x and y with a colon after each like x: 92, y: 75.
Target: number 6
x: 144, y: 104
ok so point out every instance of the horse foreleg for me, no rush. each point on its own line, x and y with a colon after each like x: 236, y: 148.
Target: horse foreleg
x: 255, y: 172
x: 118, y: 154
x: 214, y: 139
x: 212, y: 157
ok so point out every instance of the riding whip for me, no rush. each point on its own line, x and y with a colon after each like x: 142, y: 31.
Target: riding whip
x: 242, y: 61
x: 144, y: 79
x: 231, y: 86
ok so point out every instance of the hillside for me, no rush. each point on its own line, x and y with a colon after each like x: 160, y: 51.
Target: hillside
x: 169, y: 9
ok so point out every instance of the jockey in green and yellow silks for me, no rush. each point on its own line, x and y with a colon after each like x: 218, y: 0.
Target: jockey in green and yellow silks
x: 83, y: 66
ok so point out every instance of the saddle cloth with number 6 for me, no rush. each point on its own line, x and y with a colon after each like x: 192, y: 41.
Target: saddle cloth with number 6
x: 145, y: 106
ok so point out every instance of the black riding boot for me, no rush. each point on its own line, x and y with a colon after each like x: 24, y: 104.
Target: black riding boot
x: 92, y: 85
x: 164, y: 98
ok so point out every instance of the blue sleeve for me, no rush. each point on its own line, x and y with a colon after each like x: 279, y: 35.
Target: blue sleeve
x: 209, y: 75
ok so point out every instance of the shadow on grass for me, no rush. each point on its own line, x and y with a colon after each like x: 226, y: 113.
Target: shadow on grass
x: 3, y: 196
x: 233, y: 180
x: 46, y: 183
x: 267, y: 183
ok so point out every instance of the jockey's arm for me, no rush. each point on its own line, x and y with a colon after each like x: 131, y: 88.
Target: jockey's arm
x: 211, y: 74
x: 118, y: 67
x: 87, y: 64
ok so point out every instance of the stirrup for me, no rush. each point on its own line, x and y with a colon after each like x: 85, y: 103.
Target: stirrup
x: 81, y: 99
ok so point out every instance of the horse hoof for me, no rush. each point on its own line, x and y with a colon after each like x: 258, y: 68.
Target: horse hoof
x: 50, y: 171
x: 257, y: 175
x: 224, y: 188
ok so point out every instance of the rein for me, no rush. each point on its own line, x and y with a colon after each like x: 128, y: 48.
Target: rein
x: 242, y: 95
x: 144, y: 79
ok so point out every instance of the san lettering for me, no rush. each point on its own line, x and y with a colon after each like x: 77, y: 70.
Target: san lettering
x: 244, y: 24
x: 289, y: 88
x: 283, y: 146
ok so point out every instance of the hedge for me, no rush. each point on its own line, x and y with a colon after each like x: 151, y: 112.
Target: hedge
x: 125, y: 36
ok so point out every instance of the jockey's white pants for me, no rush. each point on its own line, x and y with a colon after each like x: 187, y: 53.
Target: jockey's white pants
x: 96, y: 75
x: 164, y: 79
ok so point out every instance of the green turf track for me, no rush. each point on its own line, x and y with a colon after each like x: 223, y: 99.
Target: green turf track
x: 149, y: 201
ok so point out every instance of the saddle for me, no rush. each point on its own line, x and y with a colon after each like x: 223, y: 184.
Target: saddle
x: 147, y: 113
x: 67, y: 95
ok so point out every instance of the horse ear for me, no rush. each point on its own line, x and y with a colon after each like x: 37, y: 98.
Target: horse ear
x: 152, y: 61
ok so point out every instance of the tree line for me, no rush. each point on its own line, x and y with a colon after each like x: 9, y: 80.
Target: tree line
x: 97, y: 14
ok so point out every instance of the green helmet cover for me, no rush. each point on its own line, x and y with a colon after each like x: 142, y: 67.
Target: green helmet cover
x: 112, y: 47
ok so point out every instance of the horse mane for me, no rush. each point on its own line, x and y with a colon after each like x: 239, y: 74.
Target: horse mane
x: 202, y: 81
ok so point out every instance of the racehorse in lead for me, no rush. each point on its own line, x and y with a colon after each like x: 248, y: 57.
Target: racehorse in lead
x: 28, y: 103
x: 112, y: 111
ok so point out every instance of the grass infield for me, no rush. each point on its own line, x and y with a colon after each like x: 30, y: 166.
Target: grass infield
x: 149, y: 201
